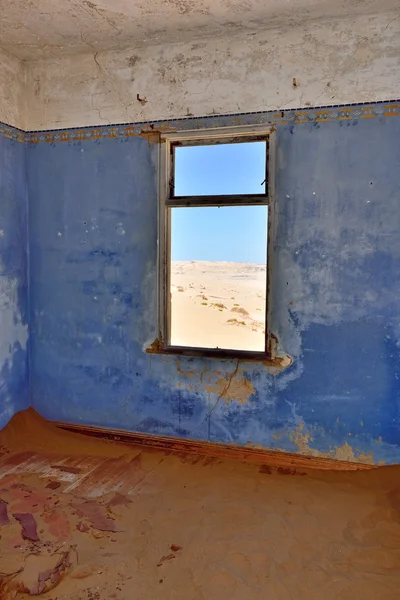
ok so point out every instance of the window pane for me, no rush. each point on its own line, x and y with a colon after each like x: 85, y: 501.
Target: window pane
x: 218, y: 277
x: 220, y: 169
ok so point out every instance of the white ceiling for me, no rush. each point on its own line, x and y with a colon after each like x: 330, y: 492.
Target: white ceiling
x: 31, y: 29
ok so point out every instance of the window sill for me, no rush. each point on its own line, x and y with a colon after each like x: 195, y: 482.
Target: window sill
x: 279, y: 362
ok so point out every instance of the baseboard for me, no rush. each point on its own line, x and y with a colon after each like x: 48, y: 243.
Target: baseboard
x: 247, y: 454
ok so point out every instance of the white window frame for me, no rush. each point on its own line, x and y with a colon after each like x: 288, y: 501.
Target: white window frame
x: 167, y: 201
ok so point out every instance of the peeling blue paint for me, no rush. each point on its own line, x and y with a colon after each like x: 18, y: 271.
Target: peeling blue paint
x: 14, y: 379
x: 335, y: 289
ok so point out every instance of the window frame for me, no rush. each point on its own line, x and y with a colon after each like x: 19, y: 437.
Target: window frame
x: 168, y: 201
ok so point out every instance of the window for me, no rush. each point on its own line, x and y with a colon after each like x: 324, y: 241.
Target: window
x: 215, y: 210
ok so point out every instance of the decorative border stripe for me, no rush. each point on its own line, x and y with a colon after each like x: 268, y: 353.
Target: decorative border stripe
x: 319, y: 114
x: 12, y: 133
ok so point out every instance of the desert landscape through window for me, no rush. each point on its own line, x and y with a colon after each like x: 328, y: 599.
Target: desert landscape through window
x: 218, y: 271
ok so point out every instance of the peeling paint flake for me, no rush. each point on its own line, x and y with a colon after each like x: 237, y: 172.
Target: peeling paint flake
x: 302, y: 438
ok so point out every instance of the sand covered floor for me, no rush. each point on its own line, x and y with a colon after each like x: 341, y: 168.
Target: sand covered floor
x: 218, y: 304
x: 85, y: 519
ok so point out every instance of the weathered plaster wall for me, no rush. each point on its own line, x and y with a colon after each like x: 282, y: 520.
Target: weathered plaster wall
x: 321, y: 63
x: 335, y: 284
x: 12, y: 90
x: 45, y: 28
x: 14, y: 388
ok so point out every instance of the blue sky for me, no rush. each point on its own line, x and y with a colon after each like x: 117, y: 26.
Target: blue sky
x: 236, y: 233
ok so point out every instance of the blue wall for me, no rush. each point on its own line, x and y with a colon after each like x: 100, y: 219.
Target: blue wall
x: 14, y: 384
x: 335, y: 297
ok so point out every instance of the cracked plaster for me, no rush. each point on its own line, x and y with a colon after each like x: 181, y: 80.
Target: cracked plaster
x: 33, y: 29
x: 333, y: 62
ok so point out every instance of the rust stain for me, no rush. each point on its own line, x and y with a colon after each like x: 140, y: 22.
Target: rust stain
x: 155, y: 347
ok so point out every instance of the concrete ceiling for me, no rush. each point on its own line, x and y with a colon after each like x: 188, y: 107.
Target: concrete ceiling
x: 31, y: 29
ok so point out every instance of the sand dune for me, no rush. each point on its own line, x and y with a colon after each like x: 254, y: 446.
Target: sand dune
x: 120, y: 521
x: 218, y: 304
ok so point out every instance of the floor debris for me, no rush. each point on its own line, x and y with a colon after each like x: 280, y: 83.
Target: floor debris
x: 28, y: 524
x: 137, y: 524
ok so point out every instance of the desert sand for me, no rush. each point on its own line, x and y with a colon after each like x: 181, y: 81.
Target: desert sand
x: 218, y: 304
x: 130, y: 523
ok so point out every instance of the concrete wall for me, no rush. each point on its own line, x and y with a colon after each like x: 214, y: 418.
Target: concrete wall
x: 14, y: 387
x: 321, y: 63
x: 335, y: 290
x: 12, y: 90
